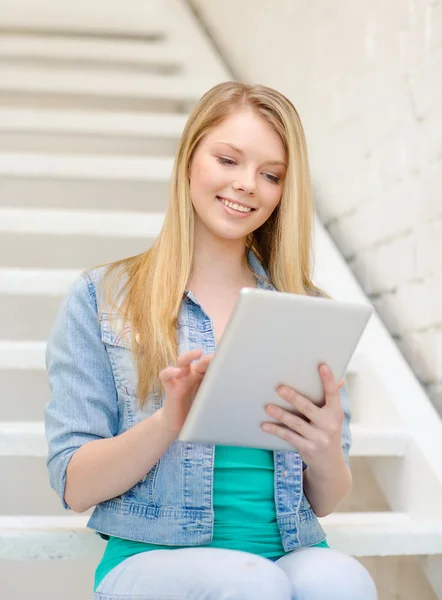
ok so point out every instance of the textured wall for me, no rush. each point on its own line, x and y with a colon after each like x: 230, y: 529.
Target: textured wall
x: 366, y: 78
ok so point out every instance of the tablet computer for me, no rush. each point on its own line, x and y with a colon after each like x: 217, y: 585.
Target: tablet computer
x: 272, y: 338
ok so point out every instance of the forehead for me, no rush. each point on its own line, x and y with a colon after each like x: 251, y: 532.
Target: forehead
x: 249, y: 132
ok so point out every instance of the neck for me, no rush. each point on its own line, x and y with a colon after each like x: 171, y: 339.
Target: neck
x: 216, y: 260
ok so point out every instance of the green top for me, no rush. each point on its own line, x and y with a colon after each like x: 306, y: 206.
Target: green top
x: 244, y: 505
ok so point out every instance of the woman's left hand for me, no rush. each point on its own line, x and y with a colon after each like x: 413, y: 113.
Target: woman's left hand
x: 317, y: 436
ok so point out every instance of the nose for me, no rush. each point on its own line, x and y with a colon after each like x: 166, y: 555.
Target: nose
x: 246, y: 184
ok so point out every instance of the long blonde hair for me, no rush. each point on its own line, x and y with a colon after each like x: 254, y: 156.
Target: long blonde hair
x: 154, y: 281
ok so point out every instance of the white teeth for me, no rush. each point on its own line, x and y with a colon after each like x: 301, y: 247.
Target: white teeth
x: 235, y: 206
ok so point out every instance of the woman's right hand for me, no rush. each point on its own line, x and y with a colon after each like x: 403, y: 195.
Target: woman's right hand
x: 181, y: 384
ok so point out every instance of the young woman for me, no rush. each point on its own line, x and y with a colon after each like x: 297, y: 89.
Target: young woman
x: 130, y: 347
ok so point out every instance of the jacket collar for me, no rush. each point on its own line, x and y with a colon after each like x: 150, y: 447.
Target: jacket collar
x: 261, y: 274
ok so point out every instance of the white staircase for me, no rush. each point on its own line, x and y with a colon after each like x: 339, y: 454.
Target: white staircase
x: 93, y: 98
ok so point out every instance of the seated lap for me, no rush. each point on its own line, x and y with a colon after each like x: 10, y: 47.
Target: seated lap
x: 218, y: 574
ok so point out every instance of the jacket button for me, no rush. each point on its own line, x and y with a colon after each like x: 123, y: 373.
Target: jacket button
x: 284, y: 473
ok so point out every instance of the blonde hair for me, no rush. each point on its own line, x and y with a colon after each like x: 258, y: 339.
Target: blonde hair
x: 154, y: 281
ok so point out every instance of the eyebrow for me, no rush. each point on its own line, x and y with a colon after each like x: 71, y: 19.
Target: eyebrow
x: 267, y: 162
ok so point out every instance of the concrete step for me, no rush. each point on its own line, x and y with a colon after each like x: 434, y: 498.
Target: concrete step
x: 23, y: 474
x: 27, y: 439
x: 31, y: 291
x: 73, y: 239
x: 25, y: 391
x: 91, y: 168
x: 22, y: 356
x: 17, y: 322
x: 36, y: 282
x: 25, y: 292
x: 45, y: 578
x: 81, y: 132
x: 383, y: 534
x: 47, y: 537
x: 76, y: 222
x: 48, y: 86
x: 92, y: 182
x: 358, y: 534
x: 73, y: 52
x: 146, y: 20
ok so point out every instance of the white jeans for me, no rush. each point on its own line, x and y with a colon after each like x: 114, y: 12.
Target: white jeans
x: 218, y: 574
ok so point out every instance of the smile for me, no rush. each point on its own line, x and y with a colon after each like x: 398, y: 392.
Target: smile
x: 235, y: 206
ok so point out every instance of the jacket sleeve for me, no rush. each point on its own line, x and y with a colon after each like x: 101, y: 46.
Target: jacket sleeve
x: 84, y: 402
x: 346, y: 433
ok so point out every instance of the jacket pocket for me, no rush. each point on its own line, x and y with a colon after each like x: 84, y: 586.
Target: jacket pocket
x: 117, y: 337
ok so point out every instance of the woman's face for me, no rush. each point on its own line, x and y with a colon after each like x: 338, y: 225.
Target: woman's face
x: 242, y: 162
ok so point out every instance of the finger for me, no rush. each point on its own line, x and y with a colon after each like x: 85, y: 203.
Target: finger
x: 302, y: 404
x: 331, y: 388
x: 293, y: 422
x: 202, y: 365
x: 166, y: 375
x: 282, y: 432
x: 184, y: 361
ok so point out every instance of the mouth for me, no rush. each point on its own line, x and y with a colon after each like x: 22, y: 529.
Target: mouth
x: 236, y: 206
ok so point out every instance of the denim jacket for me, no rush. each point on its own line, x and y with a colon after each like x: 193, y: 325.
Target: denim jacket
x: 92, y: 376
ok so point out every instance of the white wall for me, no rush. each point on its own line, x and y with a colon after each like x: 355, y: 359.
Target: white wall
x: 366, y: 78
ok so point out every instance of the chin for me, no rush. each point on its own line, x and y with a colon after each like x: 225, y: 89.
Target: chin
x: 230, y: 235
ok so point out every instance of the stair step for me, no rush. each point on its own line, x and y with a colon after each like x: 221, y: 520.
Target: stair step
x: 176, y: 93
x: 383, y: 534
x: 97, y: 82
x: 73, y: 239
x: 90, y: 182
x: 69, y: 222
x: 32, y: 48
x: 27, y: 393
x: 36, y: 282
x: 31, y: 291
x: 23, y: 439
x: 147, y: 20
x: 27, y: 439
x: 116, y: 123
x: 378, y: 440
x: 358, y: 534
x: 95, y: 168
x: 22, y: 355
x: 42, y: 537
x: 82, y: 132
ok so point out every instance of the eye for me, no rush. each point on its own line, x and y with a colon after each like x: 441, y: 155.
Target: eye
x: 273, y: 178
x: 225, y: 161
